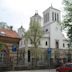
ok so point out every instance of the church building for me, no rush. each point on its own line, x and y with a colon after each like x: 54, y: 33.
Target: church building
x: 53, y: 44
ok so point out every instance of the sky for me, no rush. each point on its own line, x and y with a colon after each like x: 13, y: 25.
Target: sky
x: 18, y: 12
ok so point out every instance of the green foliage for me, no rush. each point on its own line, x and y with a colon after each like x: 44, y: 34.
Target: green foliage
x: 56, y: 53
x: 34, y: 34
x: 36, y: 52
x: 68, y: 18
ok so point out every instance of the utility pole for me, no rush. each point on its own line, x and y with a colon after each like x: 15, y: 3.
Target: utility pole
x: 49, y: 53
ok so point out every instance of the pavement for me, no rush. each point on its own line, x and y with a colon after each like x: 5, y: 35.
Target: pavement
x: 46, y: 70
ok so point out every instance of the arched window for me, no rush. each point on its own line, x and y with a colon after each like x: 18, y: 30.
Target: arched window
x: 46, y: 43
x: 55, y: 16
x: 63, y: 45
x: 47, y: 16
x: 57, y: 43
x: 52, y: 16
x: 28, y: 55
x: 46, y: 30
x: 68, y: 45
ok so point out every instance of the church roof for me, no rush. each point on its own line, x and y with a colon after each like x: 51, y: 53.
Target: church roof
x: 36, y: 15
x: 51, y: 7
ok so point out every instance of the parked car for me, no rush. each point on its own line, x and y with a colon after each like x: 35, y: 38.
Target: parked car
x: 65, y: 68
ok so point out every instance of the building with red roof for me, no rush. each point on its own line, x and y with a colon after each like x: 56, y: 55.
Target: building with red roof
x: 9, y: 41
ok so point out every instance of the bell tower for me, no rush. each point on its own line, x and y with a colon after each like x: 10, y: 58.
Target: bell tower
x: 51, y: 15
x: 37, y: 17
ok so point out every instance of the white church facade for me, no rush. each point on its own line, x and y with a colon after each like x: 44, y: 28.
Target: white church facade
x: 53, y: 37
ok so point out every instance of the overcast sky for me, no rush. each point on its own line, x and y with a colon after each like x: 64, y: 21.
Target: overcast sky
x: 18, y: 12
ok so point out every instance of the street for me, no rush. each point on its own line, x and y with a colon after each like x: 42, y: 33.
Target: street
x: 46, y: 70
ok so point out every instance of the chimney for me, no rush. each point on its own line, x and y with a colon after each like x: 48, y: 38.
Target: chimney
x: 11, y: 27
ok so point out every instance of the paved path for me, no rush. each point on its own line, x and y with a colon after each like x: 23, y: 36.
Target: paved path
x: 53, y: 70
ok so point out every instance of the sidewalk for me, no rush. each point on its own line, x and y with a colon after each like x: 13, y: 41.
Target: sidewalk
x: 44, y: 70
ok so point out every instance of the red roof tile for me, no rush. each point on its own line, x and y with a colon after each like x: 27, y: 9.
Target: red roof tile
x: 9, y: 33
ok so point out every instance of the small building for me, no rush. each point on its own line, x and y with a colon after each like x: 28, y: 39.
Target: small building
x: 9, y: 42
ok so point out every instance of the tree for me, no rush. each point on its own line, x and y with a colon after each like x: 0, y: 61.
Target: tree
x: 67, y: 22
x: 57, y: 56
x: 34, y: 34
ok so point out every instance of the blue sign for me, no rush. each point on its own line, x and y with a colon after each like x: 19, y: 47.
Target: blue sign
x: 14, y: 48
x: 49, y: 53
x: 49, y: 49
